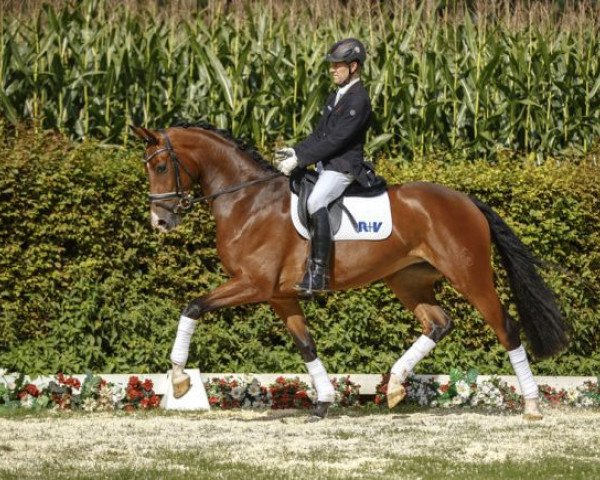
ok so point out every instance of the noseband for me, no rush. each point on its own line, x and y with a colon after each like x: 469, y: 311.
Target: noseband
x: 186, y: 200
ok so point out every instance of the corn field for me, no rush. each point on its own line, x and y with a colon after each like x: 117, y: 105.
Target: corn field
x: 467, y: 76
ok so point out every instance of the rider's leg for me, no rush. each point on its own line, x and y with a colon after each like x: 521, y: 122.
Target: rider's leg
x: 329, y: 187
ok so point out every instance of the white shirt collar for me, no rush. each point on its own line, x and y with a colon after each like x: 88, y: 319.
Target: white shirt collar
x: 341, y: 91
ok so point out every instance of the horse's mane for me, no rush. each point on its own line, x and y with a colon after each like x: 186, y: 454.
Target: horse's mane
x: 243, y: 145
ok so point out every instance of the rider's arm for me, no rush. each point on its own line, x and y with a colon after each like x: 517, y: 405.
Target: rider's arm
x: 349, y: 129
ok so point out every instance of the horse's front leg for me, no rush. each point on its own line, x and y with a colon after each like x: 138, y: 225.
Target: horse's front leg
x: 290, y: 312
x: 237, y: 291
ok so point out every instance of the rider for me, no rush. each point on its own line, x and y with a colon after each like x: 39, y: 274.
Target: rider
x: 336, y: 148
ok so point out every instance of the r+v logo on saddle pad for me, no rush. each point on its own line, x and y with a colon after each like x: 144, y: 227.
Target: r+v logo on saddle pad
x: 369, y: 226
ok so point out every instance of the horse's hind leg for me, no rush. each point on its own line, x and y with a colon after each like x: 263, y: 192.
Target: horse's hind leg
x: 474, y: 280
x: 481, y: 293
x: 290, y: 312
x: 414, y: 287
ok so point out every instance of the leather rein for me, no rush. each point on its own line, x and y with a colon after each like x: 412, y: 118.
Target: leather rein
x: 186, y: 199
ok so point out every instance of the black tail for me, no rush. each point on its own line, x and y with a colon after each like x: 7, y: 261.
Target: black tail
x: 542, y: 321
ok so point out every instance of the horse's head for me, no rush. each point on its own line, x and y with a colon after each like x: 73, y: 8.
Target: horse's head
x: 170, y: 178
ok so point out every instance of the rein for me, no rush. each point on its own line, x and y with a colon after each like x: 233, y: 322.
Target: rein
x: 186, y: 200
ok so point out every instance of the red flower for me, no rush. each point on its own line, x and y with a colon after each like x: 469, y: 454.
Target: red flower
x: 213, y: 401
x: 68, y: 381
x: 133, y: 393
x: 154, y: 401
x: 148, y: 385
x: 133, y: 381
x: 32, y: 390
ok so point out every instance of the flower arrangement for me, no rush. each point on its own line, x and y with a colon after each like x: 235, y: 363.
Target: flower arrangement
x: 290, y: 393
x: 347, y: 393
x: 230, y: 392
x: 68, y: 393
x: 140, y: 395
x: 459, y: 389
x: 381, y: 390
x: 463, y: 390
x: 586, y: 395
x: 496, y: 393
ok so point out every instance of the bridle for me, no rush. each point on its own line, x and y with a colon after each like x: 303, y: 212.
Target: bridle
x: 186, y: 199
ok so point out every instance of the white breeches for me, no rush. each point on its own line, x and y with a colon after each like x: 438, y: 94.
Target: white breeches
x: 329, y: 187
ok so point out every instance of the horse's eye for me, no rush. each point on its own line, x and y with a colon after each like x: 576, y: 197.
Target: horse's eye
x: 162, y: 168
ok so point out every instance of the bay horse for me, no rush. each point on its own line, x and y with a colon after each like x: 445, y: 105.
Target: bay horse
x: 437, y: 233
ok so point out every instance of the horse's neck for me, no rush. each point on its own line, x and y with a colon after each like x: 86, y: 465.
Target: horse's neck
x: 227, y: 167
x: 224, y: 166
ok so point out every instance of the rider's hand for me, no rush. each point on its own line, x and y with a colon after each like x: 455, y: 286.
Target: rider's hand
x: 287, y: 160
x: 284, y: 153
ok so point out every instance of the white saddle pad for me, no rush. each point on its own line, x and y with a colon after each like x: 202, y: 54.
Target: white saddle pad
x: 372, y: 214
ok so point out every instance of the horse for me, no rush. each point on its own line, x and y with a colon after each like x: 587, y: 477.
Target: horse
x: 438, y: 233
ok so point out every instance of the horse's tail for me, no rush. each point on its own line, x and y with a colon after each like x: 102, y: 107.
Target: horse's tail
x: 542, y: 321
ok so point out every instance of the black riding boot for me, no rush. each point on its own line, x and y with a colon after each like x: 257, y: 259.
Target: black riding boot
x: 316, y: 278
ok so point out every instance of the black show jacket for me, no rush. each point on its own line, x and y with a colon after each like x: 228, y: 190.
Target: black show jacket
x: 339, y: 138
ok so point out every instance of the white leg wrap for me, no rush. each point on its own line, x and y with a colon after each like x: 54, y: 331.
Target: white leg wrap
x: 412, y: 356
x: 181, y: 347
x: 325, y: 391
x: 518, y: 359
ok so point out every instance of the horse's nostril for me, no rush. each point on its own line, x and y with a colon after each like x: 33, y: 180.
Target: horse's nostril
x: 162, y: 223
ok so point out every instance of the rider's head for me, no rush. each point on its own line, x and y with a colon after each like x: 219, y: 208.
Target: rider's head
x: 346, y: 58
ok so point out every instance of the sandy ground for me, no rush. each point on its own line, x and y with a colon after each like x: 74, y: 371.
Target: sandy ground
x: 282, y: 440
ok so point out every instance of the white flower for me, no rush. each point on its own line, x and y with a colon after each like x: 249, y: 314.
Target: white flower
x: 573, y: 395
x: 237, y: 393
x: 27, y: 401
x: 463, y: 389
x: 254, y: 389
x: 89, y: 404
x: 117, y: 393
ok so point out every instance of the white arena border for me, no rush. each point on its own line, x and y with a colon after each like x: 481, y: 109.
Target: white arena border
x: 368, y: 382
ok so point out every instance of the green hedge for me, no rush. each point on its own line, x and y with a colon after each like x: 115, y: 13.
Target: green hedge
x: 86, y: 284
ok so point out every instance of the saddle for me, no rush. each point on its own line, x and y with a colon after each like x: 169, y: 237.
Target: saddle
x: 302, y: 183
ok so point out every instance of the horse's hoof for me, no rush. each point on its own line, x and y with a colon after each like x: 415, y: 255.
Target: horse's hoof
x: 181, y: 385
x: 395, y: 391
x: 314, y: 419
x: 319, y: 412
x: 532, y: 410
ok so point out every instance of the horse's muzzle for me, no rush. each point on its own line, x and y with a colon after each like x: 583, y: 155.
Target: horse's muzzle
x: 164, y: 221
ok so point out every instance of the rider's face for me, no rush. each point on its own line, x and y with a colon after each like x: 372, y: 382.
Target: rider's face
x: 340, y: 72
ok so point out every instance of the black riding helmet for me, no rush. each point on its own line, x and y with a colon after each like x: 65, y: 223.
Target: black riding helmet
x: 347, y: 50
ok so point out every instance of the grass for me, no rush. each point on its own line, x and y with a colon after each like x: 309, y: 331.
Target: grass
x: 364, y: 443
x: 194, y: 464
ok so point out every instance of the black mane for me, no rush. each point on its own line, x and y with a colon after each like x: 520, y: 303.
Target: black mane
x: 241, y: 144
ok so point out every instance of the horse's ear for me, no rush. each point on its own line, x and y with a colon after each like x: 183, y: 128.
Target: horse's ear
x: 146, y: 135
